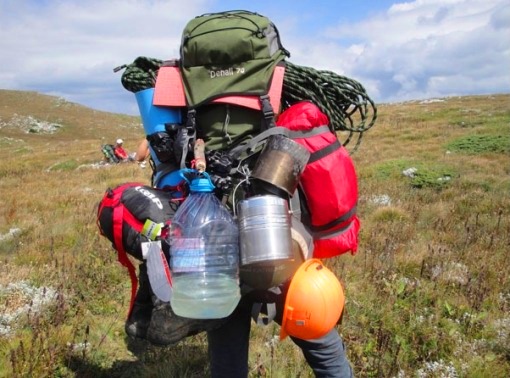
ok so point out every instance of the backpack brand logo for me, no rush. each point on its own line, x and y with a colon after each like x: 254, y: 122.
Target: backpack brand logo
x: 228, y: 72
x: 151, y: 196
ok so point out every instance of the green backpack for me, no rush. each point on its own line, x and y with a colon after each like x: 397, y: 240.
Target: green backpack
x: 229, y: 54
x: 109, y: 153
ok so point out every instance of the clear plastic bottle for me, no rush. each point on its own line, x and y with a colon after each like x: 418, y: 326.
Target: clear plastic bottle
x: 204, y: 255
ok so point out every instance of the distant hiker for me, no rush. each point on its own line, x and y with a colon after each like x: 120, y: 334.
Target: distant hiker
x: 121, y: 153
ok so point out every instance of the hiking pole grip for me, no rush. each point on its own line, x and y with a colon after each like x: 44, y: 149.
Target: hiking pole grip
x: 199, y: 152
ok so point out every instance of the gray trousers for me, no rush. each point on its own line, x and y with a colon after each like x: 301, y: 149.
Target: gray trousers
x: 229, y: 346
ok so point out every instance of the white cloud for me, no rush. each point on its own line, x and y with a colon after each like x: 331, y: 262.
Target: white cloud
x: 431, y: 48
x: 70, y: 48
x: 414, y: 49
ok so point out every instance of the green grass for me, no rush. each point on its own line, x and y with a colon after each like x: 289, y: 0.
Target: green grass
x: 428, y: 292
x: 479, y: 144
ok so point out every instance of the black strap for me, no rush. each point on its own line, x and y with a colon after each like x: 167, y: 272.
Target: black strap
x: 331, y: 234
x: 336, y: 222
x: 296, y: 134
x: 252, y: 143
x: 187, y: 135
x: 257, y: 313
x: 263, y: 310
x: 323, y: 152
x: 267, y: 112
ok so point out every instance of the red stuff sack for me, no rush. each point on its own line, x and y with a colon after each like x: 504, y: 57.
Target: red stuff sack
x: 328, y: 183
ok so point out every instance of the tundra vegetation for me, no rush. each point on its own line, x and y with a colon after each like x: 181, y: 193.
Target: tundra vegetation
x: 428, y: 292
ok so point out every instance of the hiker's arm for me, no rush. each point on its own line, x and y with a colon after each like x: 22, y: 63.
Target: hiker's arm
x: 142, y: 152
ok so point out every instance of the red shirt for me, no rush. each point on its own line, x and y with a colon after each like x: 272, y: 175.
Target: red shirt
x: 120, y: 152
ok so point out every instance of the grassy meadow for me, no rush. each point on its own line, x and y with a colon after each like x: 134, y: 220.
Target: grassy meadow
x: 428, y: 293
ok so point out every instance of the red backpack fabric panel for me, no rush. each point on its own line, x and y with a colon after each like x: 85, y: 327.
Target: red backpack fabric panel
x: 329, y: 182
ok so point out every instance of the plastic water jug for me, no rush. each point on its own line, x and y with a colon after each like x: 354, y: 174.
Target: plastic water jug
x: 204, y: 255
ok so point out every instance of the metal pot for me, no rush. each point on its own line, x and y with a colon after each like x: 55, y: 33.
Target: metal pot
x: 281, y: 163
x: 264, y: 275
x: 264, y: 229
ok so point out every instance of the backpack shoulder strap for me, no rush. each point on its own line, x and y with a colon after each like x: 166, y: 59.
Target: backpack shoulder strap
x: 263, y: 310
x: 118, y: 215
x: 256, y: 141
x: 112, y: 198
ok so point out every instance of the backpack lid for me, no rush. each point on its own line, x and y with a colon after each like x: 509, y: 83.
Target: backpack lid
x: 169, y: 90
x: 228, y: 53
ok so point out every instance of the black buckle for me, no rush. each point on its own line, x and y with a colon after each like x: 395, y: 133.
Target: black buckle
x: 267, y: 108
x: 191, y: 120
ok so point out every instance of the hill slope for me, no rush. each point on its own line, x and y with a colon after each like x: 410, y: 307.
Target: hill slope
x: 428, y: 293
x: 21, y: 109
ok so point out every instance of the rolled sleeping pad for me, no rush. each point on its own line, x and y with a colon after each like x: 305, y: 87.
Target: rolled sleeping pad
x: 155, y: 117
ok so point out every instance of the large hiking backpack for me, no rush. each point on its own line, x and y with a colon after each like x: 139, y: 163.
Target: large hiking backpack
x: 228, y: 109
x: 230, y: 64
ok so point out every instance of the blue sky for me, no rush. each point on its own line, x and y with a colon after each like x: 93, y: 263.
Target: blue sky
x: 398, y: 50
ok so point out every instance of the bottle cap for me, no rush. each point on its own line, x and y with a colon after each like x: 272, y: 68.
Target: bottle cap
x: 198, y: 181
x: 202, y: 184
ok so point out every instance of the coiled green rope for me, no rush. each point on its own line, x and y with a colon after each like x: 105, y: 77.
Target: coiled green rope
x: 141, y: 74
x: 344, y: 100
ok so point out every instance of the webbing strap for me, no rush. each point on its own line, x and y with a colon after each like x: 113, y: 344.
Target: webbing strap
x: 113, y: 199
x: 309, y: 133
x: 118, y: 214
x: 325, y: 227
x: 323, y: 152
x: 252, y: 143
x: 331, y: 234
x: 187, y: 135
x: 267, y: 112
x: 256, y: 313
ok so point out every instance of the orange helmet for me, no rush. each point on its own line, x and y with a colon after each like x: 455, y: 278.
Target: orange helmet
x: 314, y: 302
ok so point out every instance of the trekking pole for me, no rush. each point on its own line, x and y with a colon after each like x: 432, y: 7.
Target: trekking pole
x: 199, y: 152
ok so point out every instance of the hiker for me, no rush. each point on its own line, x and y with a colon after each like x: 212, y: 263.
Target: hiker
x: 121, y: 153
x: 233, y: 128
x: 229, y: 346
